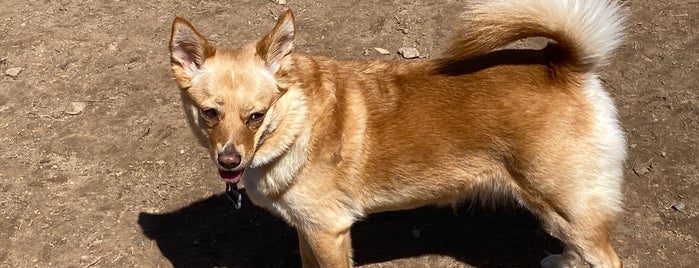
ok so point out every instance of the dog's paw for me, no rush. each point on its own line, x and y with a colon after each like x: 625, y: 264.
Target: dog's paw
x: 555, y: 261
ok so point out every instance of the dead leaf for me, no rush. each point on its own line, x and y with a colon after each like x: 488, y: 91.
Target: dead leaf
x: 382, y: 51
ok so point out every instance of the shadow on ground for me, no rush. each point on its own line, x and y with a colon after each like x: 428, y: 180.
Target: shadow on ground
x: 210, y: 233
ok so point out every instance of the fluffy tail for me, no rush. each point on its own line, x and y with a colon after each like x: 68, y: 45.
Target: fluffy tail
x: 586, y: 30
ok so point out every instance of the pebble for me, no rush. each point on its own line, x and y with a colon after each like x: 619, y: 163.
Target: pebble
x: 76, y: 108
x: 679, y: 206
x: 382, y: 50
x: 112, y: 46
x: 14, y: 71
x: 409, y: 52
x: 280, y: 2
x: 181, y: 151
x: 663, y: 154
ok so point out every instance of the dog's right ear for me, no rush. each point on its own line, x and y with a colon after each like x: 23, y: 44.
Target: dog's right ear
x: 188, y: 51
x: 278, y: 43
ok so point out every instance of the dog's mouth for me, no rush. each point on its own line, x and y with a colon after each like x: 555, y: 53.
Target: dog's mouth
x: 231, y: 176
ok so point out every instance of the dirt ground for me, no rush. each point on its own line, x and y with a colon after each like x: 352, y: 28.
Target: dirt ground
x: 122, y: 182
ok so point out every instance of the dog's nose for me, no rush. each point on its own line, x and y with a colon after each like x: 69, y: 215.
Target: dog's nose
x: 229, y: 159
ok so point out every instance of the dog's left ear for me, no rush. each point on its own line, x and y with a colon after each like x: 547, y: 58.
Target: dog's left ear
x: 278, y: 43
x: 188, y: 51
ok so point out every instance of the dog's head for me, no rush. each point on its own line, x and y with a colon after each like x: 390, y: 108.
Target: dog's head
x: 239, y: 99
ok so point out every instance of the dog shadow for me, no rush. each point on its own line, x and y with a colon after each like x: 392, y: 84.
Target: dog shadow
x: 211, y: 233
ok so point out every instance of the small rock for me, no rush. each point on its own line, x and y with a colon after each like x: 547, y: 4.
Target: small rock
x: 76, y: 108
x: 160, y: 162
x: 181, y: 151
x: 64, y: 66
x: 409, y: 52
x: 279, y: 2
x: 112, y: 46
x: 663, y: 154
x: 382, y: 50
x: 14, y: 72
x: 135, y: 59
x: 403, y: 30
x: 678, y: 206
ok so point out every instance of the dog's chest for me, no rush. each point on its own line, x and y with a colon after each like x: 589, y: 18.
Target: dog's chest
x: 257, y: 191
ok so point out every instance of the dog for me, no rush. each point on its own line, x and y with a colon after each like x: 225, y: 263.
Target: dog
x: 323, y: 143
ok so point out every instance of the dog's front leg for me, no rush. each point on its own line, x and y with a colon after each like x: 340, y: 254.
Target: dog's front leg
x: 325, y: 249
x: 308, y: 260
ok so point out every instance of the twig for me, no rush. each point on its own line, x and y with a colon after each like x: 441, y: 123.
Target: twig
x: 145, y: 134
x: 607, y: 83
x: 94, y: 262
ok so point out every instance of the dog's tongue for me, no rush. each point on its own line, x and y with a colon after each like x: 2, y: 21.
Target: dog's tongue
x: 231, y: 176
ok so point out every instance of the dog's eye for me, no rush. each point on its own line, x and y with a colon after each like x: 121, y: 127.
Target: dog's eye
x: 256, y: 116
x: 209, y: 113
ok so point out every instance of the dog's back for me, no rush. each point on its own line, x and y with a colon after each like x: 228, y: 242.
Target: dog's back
x: 530, y: 126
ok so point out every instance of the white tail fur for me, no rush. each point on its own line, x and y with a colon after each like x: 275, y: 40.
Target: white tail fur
x: 588, y: 30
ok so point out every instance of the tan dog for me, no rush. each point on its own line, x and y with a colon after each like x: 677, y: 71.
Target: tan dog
x: 323, y: 143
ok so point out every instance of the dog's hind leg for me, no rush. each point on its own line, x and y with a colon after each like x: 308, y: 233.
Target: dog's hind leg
x: 581, y: 217
x: 584, y: 237
x: 576, y: 204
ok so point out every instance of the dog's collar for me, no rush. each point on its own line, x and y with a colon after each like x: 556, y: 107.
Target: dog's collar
x: 234, y: 195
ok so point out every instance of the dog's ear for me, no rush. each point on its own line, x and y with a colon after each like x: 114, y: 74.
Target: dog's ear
x: 188, y: 51
x: 278, y: 43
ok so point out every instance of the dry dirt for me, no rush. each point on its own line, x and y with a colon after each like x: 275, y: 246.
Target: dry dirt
x: 123, y: 183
